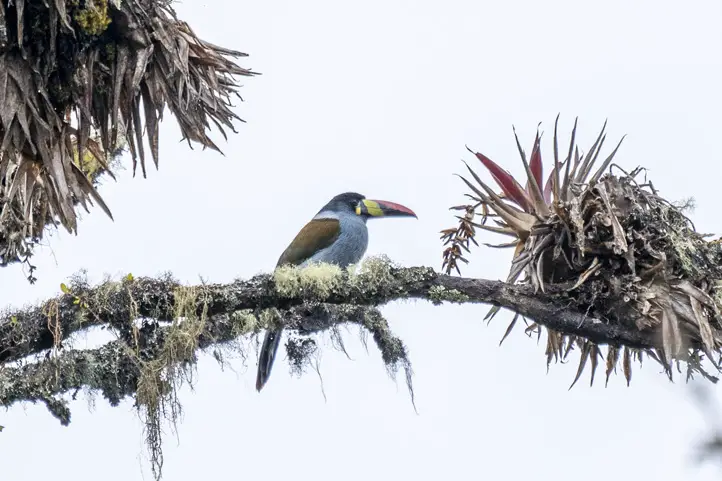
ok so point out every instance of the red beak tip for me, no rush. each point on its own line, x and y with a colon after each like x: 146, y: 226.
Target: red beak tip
x: 397, y: 207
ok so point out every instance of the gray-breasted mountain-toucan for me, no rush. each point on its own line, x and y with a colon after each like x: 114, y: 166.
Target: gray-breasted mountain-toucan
x: 336, y: 235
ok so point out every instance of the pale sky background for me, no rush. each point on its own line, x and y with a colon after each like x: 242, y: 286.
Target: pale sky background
x: 381, y: 98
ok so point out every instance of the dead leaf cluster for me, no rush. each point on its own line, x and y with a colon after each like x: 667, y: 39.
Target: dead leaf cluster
x: 80, y: 79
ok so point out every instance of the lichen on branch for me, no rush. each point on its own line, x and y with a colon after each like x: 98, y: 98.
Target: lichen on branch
x: 135, y: 308
x: 161, y: 326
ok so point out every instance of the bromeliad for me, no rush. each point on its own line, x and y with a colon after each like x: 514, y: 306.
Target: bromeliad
x: 610, y: 247
x: 520, y: 211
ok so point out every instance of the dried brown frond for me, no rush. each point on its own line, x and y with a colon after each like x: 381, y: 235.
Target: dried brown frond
x: 82, y: 78
x: 459, y: 238
x: 617, y: 250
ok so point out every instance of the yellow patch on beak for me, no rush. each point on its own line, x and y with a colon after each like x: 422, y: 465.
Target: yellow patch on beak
x: 369, y: 207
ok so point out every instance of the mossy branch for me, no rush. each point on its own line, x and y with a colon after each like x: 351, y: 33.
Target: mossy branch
x: 32, y: 330
x: 162, y: 325
x: 310, y: 300
x: 117, y: 370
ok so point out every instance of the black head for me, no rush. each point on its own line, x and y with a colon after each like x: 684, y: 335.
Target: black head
x: 346, y: 202
x: 351, y: 202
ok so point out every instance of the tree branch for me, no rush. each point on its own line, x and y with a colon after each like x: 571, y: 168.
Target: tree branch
x: 208, y: 315
x: 115, y: 369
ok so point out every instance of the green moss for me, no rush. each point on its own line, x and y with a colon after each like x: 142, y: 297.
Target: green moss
x: 317, y: 279
x: 268, y: 317
x: 244, y: 321
x: 378, y: 279
x: 383, y: 279
x: 161, y: 377
x: 93, y: 18
x: 439, y: 294
x: 686, y: 253
x: 375, y: 273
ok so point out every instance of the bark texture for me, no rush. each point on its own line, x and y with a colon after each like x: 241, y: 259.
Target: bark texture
x: 151, y: 314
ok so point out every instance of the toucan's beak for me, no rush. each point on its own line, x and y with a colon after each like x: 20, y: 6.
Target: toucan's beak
x: 383, y: 208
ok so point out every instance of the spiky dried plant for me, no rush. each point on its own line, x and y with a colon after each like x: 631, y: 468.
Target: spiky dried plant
x: 606, y: 245
x: 86, y: 76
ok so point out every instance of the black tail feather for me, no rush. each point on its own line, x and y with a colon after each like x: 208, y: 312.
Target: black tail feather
x: 267, y: 356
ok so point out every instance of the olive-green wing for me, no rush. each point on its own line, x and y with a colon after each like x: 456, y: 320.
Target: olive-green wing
x: 316, y: 235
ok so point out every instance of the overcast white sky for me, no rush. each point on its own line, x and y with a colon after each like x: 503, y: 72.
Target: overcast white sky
x: 381, y: 98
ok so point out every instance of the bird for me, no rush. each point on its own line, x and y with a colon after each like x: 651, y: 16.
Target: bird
x: 336, y: 235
